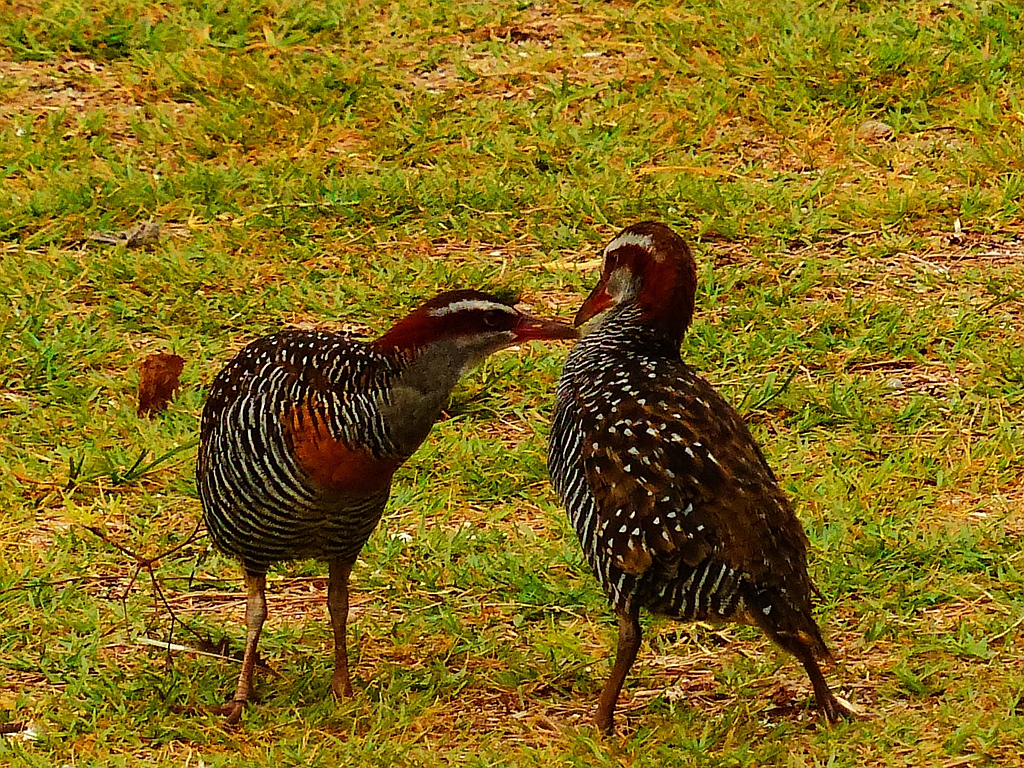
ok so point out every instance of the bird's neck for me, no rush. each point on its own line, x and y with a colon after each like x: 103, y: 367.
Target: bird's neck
x: 422, y: 388
x: 625, y: 328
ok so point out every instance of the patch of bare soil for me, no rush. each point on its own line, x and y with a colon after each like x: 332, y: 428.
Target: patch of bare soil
x: 935, y: 270
x: 953, y: 253
x: 77, y: 86
x: 515, y: 72
x: 909, y: 377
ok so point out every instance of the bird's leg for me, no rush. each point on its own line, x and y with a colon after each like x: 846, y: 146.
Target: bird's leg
x: 255, y: 615
x: 827, y: 703
x: 337, y: 604
x: 630, y: 636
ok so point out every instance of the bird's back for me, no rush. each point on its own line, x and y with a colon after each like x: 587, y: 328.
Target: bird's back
x: 295, y: 459
x: 674, y: 504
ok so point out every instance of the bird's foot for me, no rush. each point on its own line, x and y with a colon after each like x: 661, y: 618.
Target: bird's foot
x: 342, y: 686
x: 836, y: 708
x: 605, y: 722
x: 231, y: 711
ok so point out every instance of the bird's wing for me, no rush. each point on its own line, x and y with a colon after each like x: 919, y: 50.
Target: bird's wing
x: 677, y: 479
x: 323, y: 389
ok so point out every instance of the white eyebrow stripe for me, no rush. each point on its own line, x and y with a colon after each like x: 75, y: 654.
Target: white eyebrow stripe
x: 470, y: 304
x: 629, y: 238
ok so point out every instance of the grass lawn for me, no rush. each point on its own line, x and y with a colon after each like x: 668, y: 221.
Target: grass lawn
x: 331, y: 164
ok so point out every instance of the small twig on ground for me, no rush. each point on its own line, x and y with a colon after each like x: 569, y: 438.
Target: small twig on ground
x: 147, y: 564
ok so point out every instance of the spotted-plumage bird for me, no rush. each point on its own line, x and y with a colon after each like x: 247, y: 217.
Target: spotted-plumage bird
x: 673, y: 501
x: 302, y: 432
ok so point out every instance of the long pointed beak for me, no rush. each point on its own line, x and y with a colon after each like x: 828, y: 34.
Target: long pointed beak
x: 541, y: 328
x: 597, y: 302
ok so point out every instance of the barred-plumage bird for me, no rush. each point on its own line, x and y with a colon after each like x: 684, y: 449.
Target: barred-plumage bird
x: 302, y: 432
x: 673, y: 501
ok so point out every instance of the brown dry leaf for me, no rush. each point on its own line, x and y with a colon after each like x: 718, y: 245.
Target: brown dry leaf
x: 158, y: 381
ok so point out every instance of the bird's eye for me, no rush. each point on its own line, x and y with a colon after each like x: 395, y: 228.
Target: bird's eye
x: 496, y: 319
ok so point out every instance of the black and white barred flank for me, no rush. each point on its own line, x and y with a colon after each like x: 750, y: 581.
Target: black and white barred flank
x: 259, y: 503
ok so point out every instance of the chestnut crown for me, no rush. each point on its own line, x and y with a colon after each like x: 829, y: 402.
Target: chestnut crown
x: 649, y: 265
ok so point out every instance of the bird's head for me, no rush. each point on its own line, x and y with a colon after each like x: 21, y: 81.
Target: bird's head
x: 476, y: 322
x: 649, y: 265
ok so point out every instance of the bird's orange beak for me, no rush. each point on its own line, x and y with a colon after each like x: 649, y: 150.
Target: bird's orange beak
x: 542, y: 329
x: 597, y: 302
